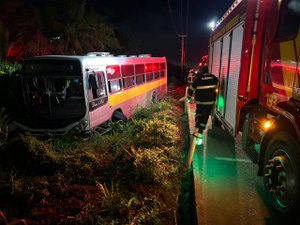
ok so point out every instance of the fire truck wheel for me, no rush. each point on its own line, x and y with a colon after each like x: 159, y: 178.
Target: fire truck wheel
x: 282, y: 171
x: 118, y: 116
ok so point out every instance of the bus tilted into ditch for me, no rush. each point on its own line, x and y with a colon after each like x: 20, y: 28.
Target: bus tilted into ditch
x: 63, y: 94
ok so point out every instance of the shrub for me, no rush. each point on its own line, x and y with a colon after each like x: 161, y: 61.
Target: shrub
x: 148, y: 113
x: 153, y: 166
x: 30, y: 155
x: 157, y: 132
x: 8, y: 68
x: 118, y: 207
x: 4, y: 221
x: 141, y: 159
x: 29, y: 192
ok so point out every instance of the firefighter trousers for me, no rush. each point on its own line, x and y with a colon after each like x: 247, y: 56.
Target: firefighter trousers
x: 201, y: 116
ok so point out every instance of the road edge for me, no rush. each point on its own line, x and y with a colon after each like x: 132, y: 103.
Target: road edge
x: 196, y: 169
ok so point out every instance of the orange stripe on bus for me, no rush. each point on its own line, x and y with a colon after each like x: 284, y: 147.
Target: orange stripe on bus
x: 125, y: 95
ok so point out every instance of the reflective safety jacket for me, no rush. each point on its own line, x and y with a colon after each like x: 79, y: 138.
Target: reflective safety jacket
x: 204, y: 89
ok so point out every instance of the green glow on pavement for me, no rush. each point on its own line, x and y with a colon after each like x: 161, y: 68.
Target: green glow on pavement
x: 199, y: 140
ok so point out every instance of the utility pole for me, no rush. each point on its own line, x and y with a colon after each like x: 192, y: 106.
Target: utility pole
x: 182, y: 60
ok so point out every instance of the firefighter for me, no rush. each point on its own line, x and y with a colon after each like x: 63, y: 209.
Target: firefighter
x: 204, y: 91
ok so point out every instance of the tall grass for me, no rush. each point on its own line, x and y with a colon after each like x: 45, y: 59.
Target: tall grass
x: 141, y: 159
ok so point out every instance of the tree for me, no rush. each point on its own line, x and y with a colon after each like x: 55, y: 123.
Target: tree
x: 21, y: 31
x: 56, y: 27
x: 3, y: 41
x: 7, y: 18
x: 79, y: 31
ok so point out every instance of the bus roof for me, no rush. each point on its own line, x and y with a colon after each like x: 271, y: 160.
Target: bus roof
x: 106, y: 59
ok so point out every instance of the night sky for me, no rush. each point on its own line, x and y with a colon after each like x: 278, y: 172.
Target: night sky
x: 153, y: 26
x: 150, y: 28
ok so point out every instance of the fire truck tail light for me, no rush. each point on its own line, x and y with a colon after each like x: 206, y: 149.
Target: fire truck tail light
x: 267, y: 125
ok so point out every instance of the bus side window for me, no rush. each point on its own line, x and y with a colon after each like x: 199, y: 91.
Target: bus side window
x: 93, y: 84
x: 128, y: 75
x: 97, y: 84
x: 149, y: 71
x: 156, y: 70
x: 162, y: 69
x: 114, y: 85
x: 101, y: 91
x: 113, y: 73
x: 140, y: 73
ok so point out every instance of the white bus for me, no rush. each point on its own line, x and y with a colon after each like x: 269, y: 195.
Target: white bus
x: 65, y: 94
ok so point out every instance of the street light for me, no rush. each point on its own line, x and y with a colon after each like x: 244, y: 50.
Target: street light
x: 212, y: 25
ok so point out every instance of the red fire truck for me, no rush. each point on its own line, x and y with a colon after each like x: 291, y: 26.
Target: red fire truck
x: 254, y: 50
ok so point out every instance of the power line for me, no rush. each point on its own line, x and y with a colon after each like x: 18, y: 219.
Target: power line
x: 181, y: 17
x: 187, y: 17
x: 182, y: 30
x: 183, y: 33
x: 186, y: 27
x: 172, y: 18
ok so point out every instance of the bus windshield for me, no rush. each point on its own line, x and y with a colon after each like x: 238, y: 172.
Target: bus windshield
x: 54, y: 100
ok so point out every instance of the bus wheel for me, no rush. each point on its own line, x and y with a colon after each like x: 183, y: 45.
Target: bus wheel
x: 118, y: 116
x: 154, y: 97
x: 282, y: 171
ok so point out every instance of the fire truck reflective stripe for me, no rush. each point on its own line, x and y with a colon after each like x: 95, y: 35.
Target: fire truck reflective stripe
x: 126, y: 95
x: 206, y: 87
x: 191, y: 87
x: 204, y: 103
x: 282, y: 87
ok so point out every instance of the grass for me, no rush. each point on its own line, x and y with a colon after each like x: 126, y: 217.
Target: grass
x: 130, y: 176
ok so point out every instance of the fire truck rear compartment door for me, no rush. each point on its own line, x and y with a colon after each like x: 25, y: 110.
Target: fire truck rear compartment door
x: 234, y: 71
x: 224, y: 73
x: 216, y: 58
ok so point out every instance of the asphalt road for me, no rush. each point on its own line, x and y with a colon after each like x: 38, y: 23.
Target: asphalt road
x: 230, y: 190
